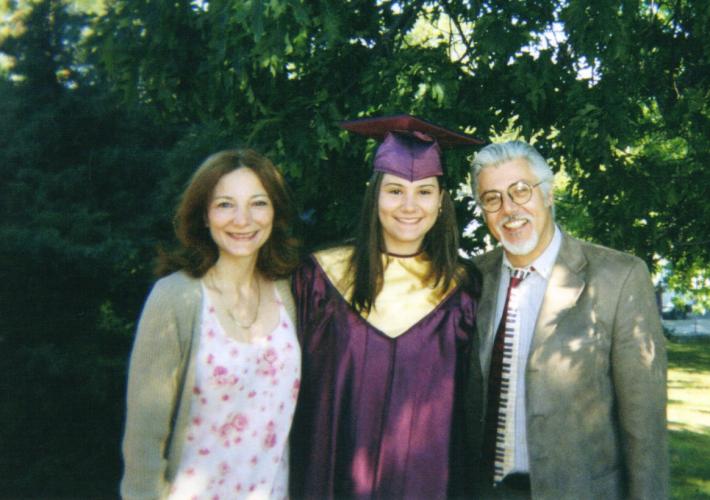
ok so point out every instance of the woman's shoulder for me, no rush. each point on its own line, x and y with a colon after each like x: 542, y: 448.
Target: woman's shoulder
x: 333, y: 255
x: 327, y: 260
x: 174, y: 300
x: 177, y: 286
x: 283, y: 286
x: 336, y: 264
x: 323, y: 269
x: 178, y: 280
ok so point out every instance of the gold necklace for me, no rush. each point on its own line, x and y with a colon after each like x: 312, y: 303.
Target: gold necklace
x: 230, y: 310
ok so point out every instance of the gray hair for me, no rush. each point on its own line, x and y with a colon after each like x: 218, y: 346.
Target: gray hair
x: 496, y: 154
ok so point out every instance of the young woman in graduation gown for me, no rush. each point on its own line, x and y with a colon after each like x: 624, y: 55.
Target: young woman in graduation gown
x: 386, y: 326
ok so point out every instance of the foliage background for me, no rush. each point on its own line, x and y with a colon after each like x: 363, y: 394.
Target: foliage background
x: 107, y: 107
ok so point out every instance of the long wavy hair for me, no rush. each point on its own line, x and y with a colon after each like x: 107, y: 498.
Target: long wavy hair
x: 441, y: 244
x: 197, y: 251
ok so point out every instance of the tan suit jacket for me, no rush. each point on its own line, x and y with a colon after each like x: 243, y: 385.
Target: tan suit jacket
x: 595, y: 378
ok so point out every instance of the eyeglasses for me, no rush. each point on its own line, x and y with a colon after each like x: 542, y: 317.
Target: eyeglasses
x: 519, y: 192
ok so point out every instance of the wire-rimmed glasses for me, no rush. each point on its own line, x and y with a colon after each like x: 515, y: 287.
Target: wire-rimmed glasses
x: 519, y: 193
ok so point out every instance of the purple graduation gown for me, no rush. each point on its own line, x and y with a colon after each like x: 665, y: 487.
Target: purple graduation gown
x: 377, y: 417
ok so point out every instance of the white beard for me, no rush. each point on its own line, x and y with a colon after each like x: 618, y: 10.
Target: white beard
x: 522, y: 248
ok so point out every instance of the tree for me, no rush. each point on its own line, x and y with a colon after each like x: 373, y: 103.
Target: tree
x: 615, y: 91
x: 76, y: 245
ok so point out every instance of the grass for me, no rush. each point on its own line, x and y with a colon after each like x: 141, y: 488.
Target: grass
x: 689, y: 419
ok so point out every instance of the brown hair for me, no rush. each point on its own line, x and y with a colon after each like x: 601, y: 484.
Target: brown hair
x: 198, y: 252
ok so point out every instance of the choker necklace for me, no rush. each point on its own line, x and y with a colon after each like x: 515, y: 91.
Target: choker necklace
x: 230, y: 310
x: 402, y: 256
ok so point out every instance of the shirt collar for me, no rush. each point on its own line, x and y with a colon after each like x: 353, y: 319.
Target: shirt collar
x: 544, y: 263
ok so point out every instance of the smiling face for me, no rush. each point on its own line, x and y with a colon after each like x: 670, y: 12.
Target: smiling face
x: 240, y: 214
x: 407, y: 211
x: 523, y: 230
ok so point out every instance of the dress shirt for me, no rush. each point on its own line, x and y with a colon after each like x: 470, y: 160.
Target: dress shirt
x: 531, y: 291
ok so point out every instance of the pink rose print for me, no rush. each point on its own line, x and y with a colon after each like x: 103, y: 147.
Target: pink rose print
x: 251, y: 394
x: 270, y: 371
x: 204, y: 451
x: 254, y: 460
x: 196, y: 421
x: 196, y: 390
x: 224, y: 430
x: 237, y: 423
x: 211, y: 333
x: 221, y: 376
x: 224, y: 468
x: 210, y: 359
x: 270, y: 356
x: 240, y: 422
x: 270, y: 440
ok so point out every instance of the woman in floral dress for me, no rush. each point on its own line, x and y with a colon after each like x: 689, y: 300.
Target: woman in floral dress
x: 215, y: 369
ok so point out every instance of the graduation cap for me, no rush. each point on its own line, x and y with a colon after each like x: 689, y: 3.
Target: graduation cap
x: 411, y: 147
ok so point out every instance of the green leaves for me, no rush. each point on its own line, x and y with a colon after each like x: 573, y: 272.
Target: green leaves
x: 618, y: 89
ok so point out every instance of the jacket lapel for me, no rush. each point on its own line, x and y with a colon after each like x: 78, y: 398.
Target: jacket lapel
x: 566, y: 284
x: 489, y: 265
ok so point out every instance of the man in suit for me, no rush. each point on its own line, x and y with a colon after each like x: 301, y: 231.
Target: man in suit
x: 576, y: 378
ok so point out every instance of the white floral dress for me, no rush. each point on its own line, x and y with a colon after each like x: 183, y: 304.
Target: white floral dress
x: 242, y: 406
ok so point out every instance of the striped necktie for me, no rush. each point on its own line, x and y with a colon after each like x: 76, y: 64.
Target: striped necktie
x: 502, y: 384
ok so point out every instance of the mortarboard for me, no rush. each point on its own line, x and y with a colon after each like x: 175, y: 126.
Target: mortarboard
x: 410, y: 146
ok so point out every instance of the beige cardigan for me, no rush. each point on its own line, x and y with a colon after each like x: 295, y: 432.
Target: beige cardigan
x: 160, y: 380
